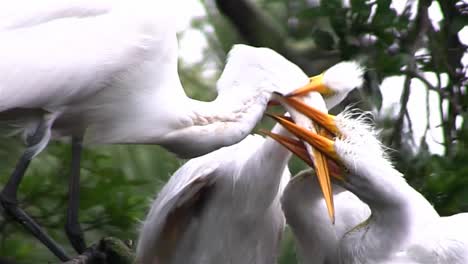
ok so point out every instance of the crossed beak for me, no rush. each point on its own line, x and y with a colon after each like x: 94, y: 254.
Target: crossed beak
x: 323, y: 152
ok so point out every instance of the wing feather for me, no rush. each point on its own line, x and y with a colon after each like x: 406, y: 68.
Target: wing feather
x: 26, y: 13
x: 173, y: 208
x: 68, y: 59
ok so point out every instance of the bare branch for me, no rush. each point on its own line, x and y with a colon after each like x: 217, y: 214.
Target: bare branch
x: 412, y: 43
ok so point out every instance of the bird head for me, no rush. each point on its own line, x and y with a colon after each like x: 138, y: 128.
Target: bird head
x: 335, y: 83
x: 250, y: 70
x: 356, y: 158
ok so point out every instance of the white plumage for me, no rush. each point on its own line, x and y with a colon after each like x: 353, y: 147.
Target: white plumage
x: 403, y: 226
x: 107, y: 71
x: 344, y: 74
x: 316, y: 238
x: 111, y: 70
x: 220, y: 208
x: 223, y: 207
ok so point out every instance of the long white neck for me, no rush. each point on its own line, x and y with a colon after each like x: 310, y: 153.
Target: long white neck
x: 306, y: 214
x: 198, y: 127
x: 264, y: 175
x: 164, y: 115
x: 391, y: 224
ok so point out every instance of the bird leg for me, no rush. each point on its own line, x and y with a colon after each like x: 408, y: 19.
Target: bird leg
x: 72, y: 226
x: 9, y: 201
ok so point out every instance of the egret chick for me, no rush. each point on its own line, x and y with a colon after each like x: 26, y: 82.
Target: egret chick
x: 403, y: 226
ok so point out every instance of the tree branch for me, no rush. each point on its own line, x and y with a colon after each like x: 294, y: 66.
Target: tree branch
x: 259, y: 29
x: 411, y: 44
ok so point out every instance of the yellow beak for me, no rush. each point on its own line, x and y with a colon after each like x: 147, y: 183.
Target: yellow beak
x: 298, y: 148
x: 325, y: 120
x: 316, y: 84
x: 322, y: 143
x: 320, y: 162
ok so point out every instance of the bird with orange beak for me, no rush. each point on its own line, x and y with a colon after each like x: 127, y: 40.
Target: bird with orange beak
x: 380, y: 217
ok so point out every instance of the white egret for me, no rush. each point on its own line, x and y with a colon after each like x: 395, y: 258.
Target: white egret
x: 222, y: 207
x: 107, y: 71
x: 110, y: 70
x: 403, y: 226
x: 316, y: 238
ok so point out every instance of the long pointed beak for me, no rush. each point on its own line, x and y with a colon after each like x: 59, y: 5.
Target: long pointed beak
x: 293, y: 145
x: 323, y: 119
x: 322, y: 143
x: 298, y: 148
x: 320, y: 162
x: 316, y: 84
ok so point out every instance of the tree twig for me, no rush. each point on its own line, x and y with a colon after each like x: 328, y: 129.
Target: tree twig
x: 412, y: 43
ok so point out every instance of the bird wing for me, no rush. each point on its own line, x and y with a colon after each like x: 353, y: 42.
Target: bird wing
x: 67, y: 57
x: 25, y: 13
x: 444, y: 241
x: 183, y: 196
x: 172, y: 210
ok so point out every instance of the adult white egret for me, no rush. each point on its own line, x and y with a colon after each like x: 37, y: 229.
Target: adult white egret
x: 110, y: 70
x: 403, y: 226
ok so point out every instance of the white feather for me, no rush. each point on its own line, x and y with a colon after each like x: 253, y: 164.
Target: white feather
x: 344, y: 76
x: 236, y: 219
x: 341, y: 79
x: 110, y: 70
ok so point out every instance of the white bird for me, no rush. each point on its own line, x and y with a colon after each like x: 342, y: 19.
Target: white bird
x: 316, y: 238
x: 222, y: 207
x: 403, y: 226
x: 107, y: 71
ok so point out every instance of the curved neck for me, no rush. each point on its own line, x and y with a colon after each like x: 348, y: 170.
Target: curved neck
x: 263, y: 176
x: 306, y: 214
x: 199, y: 127
x: 391, y: 223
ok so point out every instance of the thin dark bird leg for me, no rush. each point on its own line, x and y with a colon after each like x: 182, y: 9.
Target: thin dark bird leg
x: 9, y: 201
x: 72, y: 226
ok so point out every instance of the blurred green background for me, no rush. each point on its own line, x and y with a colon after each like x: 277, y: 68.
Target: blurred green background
x: 415, y: 42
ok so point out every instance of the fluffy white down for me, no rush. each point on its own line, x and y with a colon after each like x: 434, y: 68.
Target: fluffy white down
x: 344, y: 76
x: 403, y: 227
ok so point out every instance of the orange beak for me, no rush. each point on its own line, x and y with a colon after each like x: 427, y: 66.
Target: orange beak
x: 325, y: 120
x: 298, y: 148
x: 319, y: 143
x: 322, y: 143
